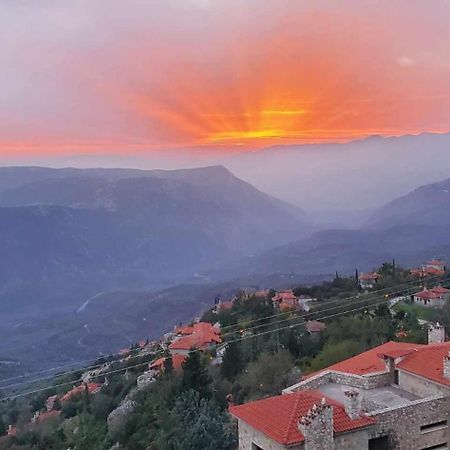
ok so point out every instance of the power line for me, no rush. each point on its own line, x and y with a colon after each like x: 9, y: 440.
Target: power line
x: 406, y: 283
x: 343, y: 302
x: 242, y: 338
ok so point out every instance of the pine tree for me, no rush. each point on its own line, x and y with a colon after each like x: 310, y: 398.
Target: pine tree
x: 195, y: 375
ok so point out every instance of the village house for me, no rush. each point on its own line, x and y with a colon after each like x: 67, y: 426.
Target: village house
x: 368, y: 280
x: 91, y: 388
x: 40, y: 417
x: 434, y: 267
x: 314, y: 327
x: 221, y: 306
x: 435, y: 264
x: 433, y: 297
x: 200, y: 336
x: 394, y: 396
x: 285, y: 300
x: 159, y: 364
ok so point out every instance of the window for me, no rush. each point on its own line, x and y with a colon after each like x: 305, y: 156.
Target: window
x: 380, y: 443
x: 433, y: 427
x: 437, y: 447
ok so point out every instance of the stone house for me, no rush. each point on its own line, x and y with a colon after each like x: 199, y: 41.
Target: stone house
x: 434, y: 297
x: 395, y: 396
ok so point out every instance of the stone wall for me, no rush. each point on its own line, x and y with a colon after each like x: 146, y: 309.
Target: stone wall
x: 420, y: 386
x: 370, y: 381
x: 356, y: 440
x: 402, y: 424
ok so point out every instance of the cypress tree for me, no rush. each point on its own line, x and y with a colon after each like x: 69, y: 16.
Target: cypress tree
x: 168, y: 363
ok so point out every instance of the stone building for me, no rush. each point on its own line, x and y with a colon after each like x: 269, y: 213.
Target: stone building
x: 395, y: 396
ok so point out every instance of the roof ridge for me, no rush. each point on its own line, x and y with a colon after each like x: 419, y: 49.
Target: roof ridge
x: 293, y: 414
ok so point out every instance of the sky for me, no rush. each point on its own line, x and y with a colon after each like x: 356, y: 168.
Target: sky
x: 146, y: 77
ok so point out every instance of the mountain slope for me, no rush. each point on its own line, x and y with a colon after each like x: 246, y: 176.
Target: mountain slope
x: 64, y: 240
x: 426, y: 205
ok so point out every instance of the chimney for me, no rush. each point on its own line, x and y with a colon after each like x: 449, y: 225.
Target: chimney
x: 446, y: 369
x: 317, y: 427
x: 436, y: 333
x: 352, y: 404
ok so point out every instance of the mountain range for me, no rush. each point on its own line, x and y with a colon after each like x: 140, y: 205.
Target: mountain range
x: 94, y: 259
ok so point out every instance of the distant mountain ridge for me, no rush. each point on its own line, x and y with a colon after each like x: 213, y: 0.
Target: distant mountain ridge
x: 426, y: 205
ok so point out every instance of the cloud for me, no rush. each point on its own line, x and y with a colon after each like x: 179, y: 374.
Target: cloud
x: 405, y: 61
x: 192, y: 73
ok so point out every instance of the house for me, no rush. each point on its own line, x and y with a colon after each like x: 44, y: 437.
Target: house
x: 434, y: 267
x: 285, y: 300
x: 200, y: 336
x: 315, y: 327
x: 223, y: 306
x: 368, y: 280
x: 436, y: 296
x: 442, y: 291
x: 40, y: 417
x: 435, y: 264
x: 394, y: 396
x: 159, y: 364
x: 91, y: 388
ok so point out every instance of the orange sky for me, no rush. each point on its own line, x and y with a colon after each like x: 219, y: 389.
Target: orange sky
x: 224, y: 74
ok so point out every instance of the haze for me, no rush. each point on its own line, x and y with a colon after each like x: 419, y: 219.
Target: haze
x: 182, y: 83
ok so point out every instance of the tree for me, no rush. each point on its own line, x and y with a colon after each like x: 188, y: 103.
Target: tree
x: 168, y: 363
x: 2, y: 426
x: 232, y: 363
x: 333, y: 353
x: 195, y: 423
x: 195, y: 375
x: 269, y: 374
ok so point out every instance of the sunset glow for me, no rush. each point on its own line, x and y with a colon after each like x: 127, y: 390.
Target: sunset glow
x: 223, y: 74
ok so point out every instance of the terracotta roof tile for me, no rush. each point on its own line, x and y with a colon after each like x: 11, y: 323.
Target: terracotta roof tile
x: 277, y: 417
x: 427, y: 362
x: 369, y: 361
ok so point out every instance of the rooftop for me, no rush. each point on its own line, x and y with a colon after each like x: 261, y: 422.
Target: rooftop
x: 382, y: 397
x: 277, y: 417
x: 370, y: 361
x: 427, y: 362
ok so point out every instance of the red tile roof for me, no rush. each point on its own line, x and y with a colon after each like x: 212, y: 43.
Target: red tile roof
x: 177, y: 361
x: 436, y: 262
x: 91, y: 387
x: 427, y: 295
x: 440, y: 290
x: 284, y: 296
x: 47, y: 415
x: 202, y: 335
x: 314, y: 326
x: 433, y: 271
x: 369, y: 361
x: 427, y: 362
x: 277, y: 417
